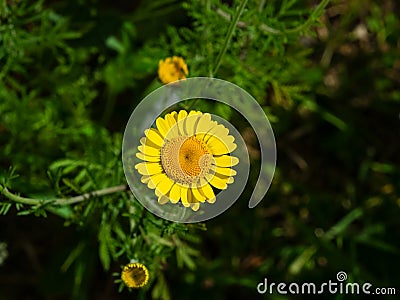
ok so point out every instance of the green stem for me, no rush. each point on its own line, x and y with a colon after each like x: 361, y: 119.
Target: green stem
x: 19, y: 199
x: 109, y: 109
x: 261, y: 6
x: 208, y: 4
x: 228, y: 37
x: 317, y: 12
x: 69, y: 201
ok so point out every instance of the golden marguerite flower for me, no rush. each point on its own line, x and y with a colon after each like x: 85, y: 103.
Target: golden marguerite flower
x: 172, y: 69
x: 184, y: 156
x: 135, y: 275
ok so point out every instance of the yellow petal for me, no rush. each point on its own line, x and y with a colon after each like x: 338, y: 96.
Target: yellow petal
x: 148, y: 158
x: 163, y: 199
x: 184, y: 196
x: 197, y: 195
x: 173, y: 128
x: 149, y: 150
x: 190, y: 122
x: 224, y: 171
x: 174, y: 114
x: 226, y: 161
x: 155, y: 180
x: 218, y: 182
x: 221, y: 132
x: 164, y: 186
x: 158, y: 193
x: 194, y: 112
x: 145, y: 179
x: 220, y: 147
x: 190, y: 197
x: 204, y: 124
x: 146, y: 168
x: 162, y: 126
x: 154, y: 136
x: 175, y: 193
x: 195, y: 206
x: 207, y: 191
x: 147, y: 143
x: 181, y: 117
x: 212, y: 200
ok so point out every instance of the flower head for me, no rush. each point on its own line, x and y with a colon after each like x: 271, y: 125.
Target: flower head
x: 185, y: 156
x: 172, y: 69
x: 135, y: 275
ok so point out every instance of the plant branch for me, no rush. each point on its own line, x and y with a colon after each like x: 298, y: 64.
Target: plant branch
x: 228, y: 36
x: 267, y: 29
x: 31, y: 201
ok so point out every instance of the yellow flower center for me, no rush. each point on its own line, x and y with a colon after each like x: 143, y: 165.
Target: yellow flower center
x: 135, y: 275
x: 186, y: 159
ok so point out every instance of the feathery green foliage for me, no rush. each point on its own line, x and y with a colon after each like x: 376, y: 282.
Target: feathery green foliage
x: 327, y: 76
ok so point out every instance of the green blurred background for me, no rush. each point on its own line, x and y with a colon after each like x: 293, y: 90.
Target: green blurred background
x: 327, y: 74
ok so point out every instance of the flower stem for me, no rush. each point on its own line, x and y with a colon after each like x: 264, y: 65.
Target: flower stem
x: 228, y: 36
x: 69, y: 201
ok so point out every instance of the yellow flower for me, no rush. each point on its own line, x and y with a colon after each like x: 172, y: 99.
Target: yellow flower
x: 186, y: 155
x: 135, y: 275
x: 172, y: 69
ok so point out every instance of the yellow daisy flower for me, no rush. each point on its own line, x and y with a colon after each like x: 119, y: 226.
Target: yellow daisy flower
x: 172, y: 69
x: 184, y: 156
x: 135, y: 275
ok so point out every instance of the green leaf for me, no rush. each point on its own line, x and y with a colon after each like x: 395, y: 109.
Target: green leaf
x: 106, y: 246
x: 113, y: 43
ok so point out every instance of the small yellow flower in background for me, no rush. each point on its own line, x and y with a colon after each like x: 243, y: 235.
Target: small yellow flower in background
x: 135, y: 275
x: 186, y: 155
x: 172, y: 69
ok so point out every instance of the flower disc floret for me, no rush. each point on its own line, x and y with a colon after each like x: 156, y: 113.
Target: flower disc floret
x: 172, y: 69
x: 135, y: 275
